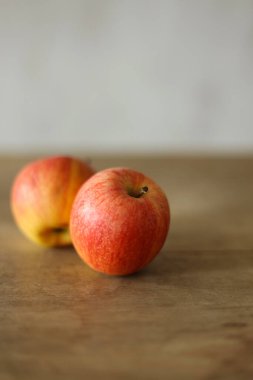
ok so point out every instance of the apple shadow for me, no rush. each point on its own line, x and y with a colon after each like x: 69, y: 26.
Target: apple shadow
x: 170, y: 264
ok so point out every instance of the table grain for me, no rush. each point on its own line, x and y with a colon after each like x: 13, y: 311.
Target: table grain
x: 189, y: 315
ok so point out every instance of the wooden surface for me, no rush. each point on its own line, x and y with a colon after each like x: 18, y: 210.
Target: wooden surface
x: 189, y: 315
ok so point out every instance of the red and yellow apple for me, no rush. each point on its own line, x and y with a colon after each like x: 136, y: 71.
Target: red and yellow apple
x: 119, y: 221
x: 42, y: 197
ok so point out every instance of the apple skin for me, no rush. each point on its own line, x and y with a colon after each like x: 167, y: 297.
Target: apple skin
x: 42, y: 196
x: 116, y: 227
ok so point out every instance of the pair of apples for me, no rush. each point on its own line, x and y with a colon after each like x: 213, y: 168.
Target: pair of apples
x: 117, y: 219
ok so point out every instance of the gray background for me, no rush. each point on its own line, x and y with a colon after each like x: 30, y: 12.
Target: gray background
x: 126, y: 76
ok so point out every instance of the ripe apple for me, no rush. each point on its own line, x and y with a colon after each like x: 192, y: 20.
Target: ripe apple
x: 119, y: 221
x: 42, y: 197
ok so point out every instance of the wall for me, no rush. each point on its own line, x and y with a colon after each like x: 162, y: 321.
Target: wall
x: 126, y: 75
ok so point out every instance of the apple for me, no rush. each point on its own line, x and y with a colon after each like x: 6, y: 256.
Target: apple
x: 42, y: 197
x: 119, y: 221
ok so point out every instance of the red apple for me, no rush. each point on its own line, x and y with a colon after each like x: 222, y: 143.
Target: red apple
x: 42, y: 197
x: 119, y: 221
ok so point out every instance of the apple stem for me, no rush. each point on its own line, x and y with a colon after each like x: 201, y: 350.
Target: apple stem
x: 143, y: 190
x: 59, y: 230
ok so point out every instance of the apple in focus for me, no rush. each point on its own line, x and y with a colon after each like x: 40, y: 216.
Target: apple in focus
x: 119, y: 221
x: 42, y: 196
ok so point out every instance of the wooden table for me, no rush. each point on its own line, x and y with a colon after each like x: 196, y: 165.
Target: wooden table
x: 189, y: 315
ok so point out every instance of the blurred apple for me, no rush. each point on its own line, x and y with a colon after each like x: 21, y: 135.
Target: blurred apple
x: 42, y: 197
x: 119, y: 221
